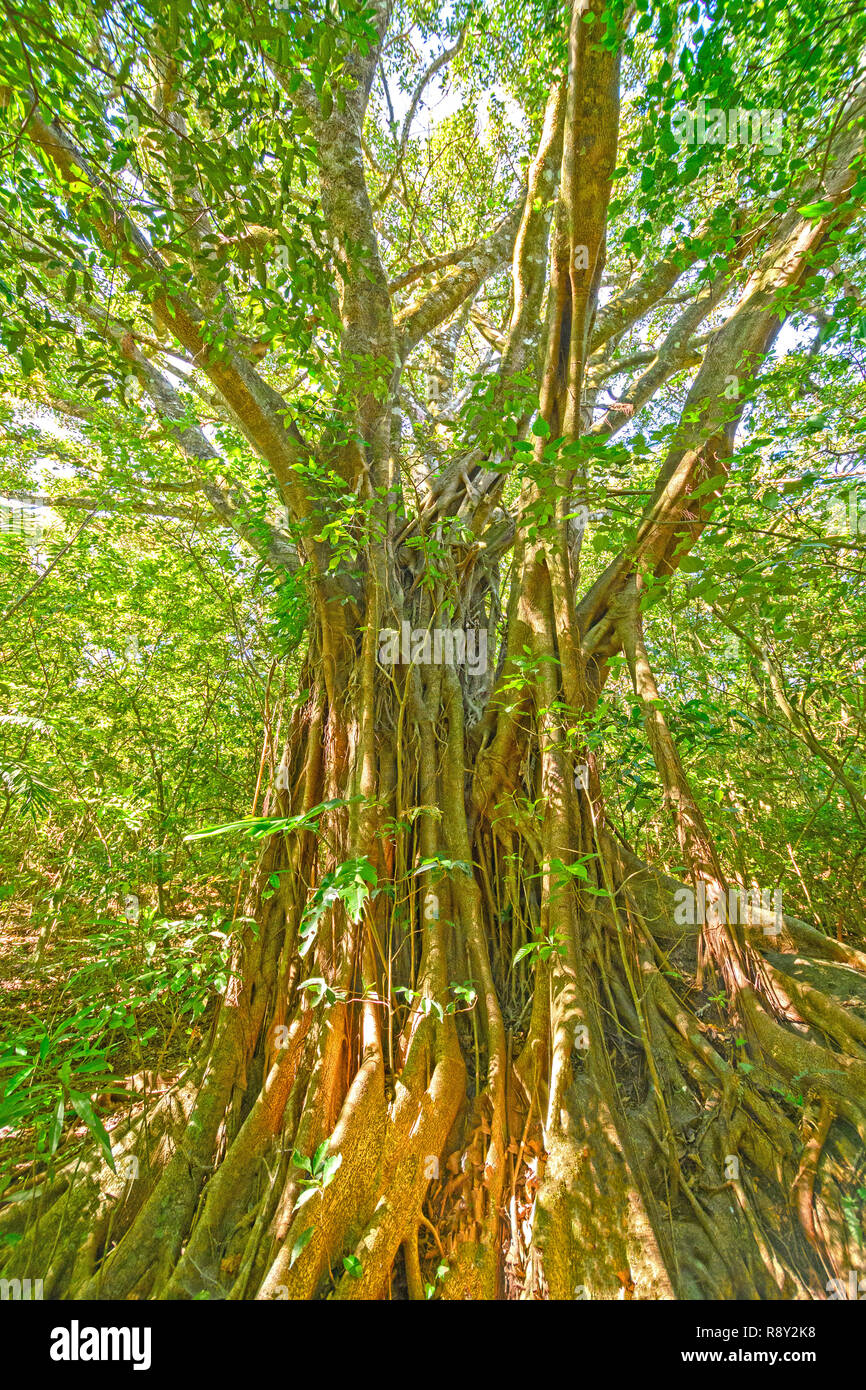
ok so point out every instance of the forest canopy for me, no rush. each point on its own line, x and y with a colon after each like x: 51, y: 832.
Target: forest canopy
x: 432, y: 636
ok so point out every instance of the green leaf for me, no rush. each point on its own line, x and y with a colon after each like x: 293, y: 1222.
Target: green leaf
x: 524, y: 951
x: 329, y: 1170
x: 816, y: 210
x: 84, y: 1110
x: 303, y: 1240
x: 56, y: 1126
x: 319, y: 1155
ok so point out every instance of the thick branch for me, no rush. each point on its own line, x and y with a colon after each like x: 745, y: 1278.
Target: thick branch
x: 419, y: 319
x: 627, y: 308
x: 260, y: 410
x: 227, y: 497
x: 704, y: 439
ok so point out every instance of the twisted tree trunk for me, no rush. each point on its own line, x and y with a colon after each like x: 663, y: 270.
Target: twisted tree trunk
x: 577, y: 1130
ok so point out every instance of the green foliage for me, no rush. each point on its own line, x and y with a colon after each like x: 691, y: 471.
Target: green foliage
x: 259, y: 827
x: 143, y: 982
x: 140, y: 633
x: 349, y: 884
x: 46, y: 1072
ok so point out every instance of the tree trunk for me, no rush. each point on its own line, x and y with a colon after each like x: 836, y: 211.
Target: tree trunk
x: 564, y: 1126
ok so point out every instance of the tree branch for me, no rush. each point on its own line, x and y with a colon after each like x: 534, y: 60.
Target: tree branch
x: 444, y: 299
x: 435, y: 67
x: 704, y: 438
x: 259, y: 409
